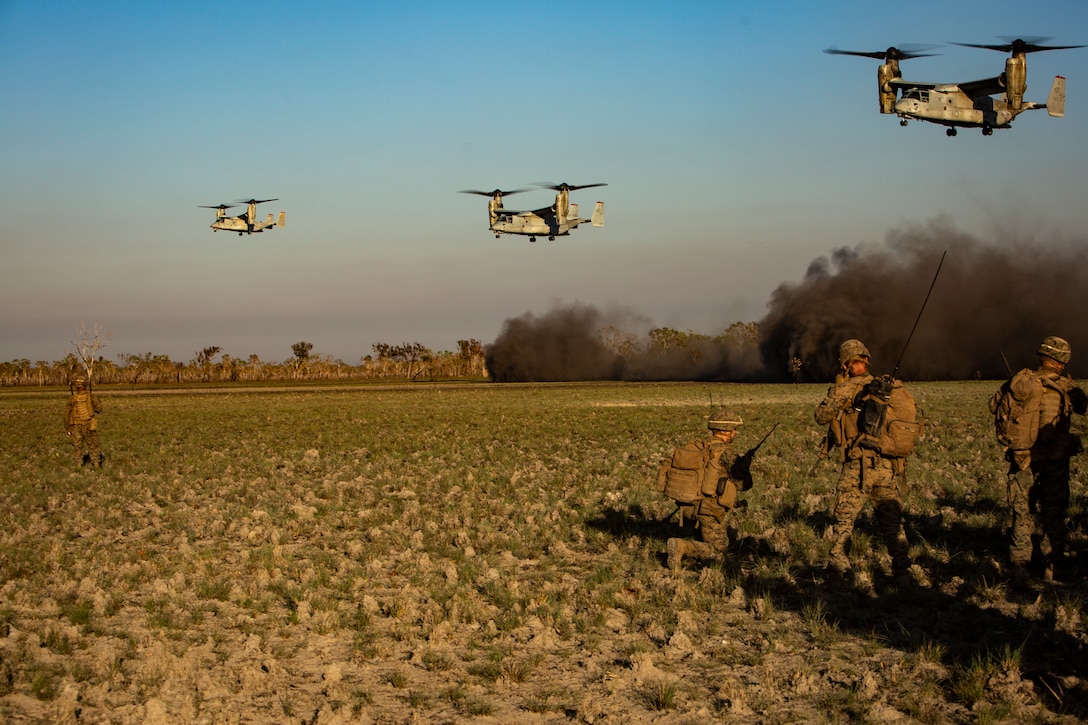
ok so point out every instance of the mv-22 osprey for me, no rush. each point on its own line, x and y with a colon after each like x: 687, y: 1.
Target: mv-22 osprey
x: 554, y: 221
x: 965, y: 105
x: 244, y: 223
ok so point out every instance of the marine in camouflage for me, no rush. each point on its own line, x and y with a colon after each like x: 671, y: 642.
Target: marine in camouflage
x: 711, y: 511
x: 866, y: 475
x: 1038, y: 478
x: 81, y: 423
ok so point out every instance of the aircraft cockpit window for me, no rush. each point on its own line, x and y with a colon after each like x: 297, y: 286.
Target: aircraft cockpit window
x: 917, y: 94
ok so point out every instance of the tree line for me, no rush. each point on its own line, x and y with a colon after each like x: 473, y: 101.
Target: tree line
x: 409, y: 361
x: 405, y: 361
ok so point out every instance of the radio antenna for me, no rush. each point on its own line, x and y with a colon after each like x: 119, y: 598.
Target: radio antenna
x: 919, y: 317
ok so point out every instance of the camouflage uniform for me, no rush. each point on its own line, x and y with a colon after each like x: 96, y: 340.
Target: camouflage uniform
x: 1038, y: 478
x: 710, y: 512
x: 865, y: 475
x: 81, y: 423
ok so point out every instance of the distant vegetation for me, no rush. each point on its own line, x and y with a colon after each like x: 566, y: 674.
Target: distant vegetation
x: 663, y: 354
x: 411, y: 361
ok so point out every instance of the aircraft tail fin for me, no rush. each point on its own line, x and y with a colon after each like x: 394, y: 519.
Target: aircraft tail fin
x: 572, y: 211
x: 1055, y: 102
x: 598, y: 214
x: 282, y: 221
x: 268, y: 220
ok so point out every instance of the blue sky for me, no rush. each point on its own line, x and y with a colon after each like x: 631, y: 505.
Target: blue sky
x: 735, y: 153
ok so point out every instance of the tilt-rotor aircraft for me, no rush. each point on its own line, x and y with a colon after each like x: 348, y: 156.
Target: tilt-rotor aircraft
x: 552, y: 221
x: 964, y: 105
x: 244, y: 223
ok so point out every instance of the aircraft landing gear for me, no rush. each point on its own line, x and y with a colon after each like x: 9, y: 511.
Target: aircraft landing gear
x: 950, y: 132
x: 987, y: 131
x: 903, y: 122
x: 532, y: 239
x: 551, y: 239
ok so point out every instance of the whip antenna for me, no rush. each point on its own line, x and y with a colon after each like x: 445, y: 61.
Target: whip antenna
x: 919, y: 317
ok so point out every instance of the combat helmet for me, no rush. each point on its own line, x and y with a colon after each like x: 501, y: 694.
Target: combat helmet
x: 1056, y: 348
x: 722, y: 419
x: 852, y: 349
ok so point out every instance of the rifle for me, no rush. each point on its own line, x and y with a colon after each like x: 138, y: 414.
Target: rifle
x: 1008, y: 368
x: 825, y: 448
x: 751, y: 452
x: 744, y: 461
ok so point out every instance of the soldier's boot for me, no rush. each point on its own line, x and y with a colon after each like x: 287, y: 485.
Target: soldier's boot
x: 838, y: 565
x: 1055, y: 564
x: 1019, y: 561
x: 676, y: 549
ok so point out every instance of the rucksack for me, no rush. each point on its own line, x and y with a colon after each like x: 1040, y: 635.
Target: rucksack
x: 889, y: 421
x: 692, y: 472
x: 1016, y: 422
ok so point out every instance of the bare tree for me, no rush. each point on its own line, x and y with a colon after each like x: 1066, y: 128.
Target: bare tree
x: 203, y: 360
x: 88, y: 343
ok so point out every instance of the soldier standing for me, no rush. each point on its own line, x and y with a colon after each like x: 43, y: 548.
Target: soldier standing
x: 866, y: 473
x: 728, y: 473
x: 1038, y: 477
x: 81, y: 422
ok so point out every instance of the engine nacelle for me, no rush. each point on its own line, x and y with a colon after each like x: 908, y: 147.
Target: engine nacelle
x: 1016, y: 81
x: 884, y: 75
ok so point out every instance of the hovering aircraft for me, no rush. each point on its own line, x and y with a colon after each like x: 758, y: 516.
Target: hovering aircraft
x: 244, y: 223
x: 964, y: 105
x: 554, y: 221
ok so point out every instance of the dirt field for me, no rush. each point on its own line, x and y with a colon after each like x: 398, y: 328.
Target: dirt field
x: 486, y: 553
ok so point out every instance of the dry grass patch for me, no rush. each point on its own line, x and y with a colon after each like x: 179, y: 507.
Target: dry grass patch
x: 453, y: 552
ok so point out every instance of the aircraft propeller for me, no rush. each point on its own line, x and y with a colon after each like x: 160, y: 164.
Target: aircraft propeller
x: 568, y: 187
x: 1019, y: 45
x: 892, y: 53
x: 497, y: 193
x: 217, y: 206
x: 254, y: 201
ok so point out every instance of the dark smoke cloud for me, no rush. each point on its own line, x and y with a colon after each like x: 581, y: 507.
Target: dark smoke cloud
x: 566, y: 344
x: 561, y: 345
x: 990, y: 299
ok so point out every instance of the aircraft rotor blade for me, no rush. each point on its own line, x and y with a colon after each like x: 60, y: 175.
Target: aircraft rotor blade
x: 568, y: 187
x: 254, y: 201
x: 1019, y: 45
x: 905, y: 53
x: 491, y: 194
x: 217, y: 206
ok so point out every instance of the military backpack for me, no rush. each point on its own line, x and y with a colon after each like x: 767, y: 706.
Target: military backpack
x: 1016, y: 421
x: 889, y: 421
x: 693, y: 473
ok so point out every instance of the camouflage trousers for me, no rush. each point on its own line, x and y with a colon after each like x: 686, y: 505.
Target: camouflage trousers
x: 1039, y: 501
x: 713, y: 533
x: 83, y: 436
x: 872, y: 479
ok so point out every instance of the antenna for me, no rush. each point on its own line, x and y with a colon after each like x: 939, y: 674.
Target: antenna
x: 919, y: 317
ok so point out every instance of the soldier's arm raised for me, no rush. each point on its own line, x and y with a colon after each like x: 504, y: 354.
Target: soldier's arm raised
x: 1078, y: 399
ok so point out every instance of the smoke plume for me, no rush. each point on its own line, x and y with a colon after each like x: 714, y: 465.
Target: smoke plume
x: 990, y: 300
x: 580, y: 342
x: 561, y: 345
